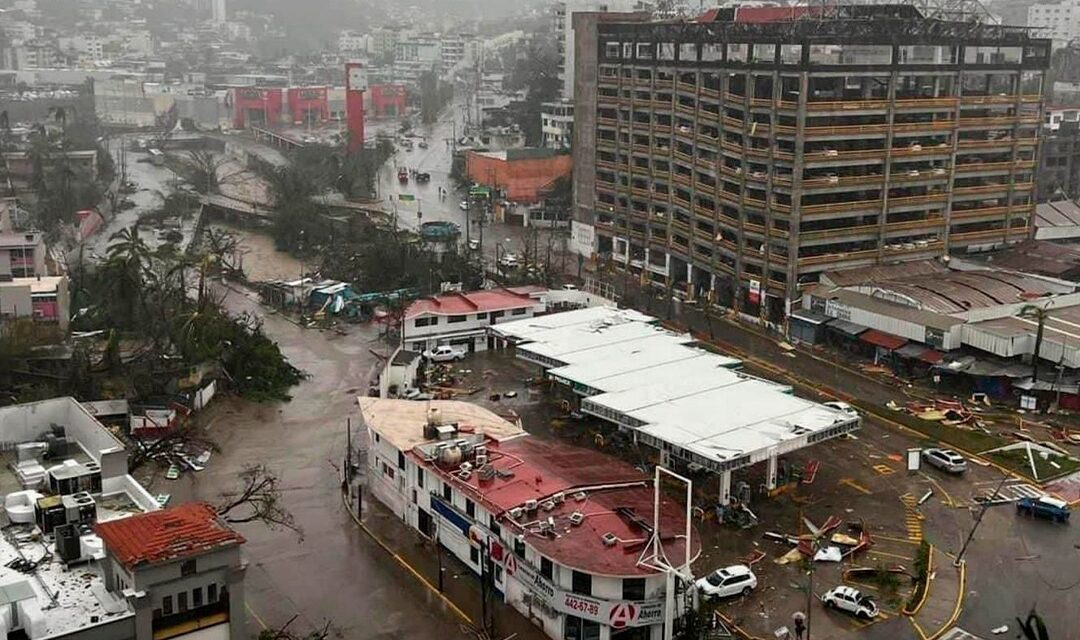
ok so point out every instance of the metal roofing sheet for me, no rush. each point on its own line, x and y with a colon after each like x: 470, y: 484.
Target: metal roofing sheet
x: 848, y: 328
x: 882, y: 339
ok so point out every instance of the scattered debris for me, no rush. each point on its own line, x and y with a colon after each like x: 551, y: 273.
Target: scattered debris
x: 926, y: 496
x: 1000, y: 630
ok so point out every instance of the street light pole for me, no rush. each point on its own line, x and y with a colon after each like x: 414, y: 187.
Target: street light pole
x: 978, y: 520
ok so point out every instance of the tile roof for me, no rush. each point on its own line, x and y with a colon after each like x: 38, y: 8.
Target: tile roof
x: 470, y: 302
x: 163, y: 536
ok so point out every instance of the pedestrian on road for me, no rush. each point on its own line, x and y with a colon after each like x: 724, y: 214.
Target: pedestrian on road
x: 800, y: 625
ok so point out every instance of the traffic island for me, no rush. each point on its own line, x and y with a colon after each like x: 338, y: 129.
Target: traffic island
x: 938, y: 607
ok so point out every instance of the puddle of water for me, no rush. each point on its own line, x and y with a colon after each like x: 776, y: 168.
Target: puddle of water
x: 262, y: 261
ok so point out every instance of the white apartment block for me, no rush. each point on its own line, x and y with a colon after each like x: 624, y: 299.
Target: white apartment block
x: 563, y: 23
x: 1059, y: 21
x: 557, y: 124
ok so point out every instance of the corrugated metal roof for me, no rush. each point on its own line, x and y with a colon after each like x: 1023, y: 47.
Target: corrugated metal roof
x: 881, y: 273
x: 1034, y: 256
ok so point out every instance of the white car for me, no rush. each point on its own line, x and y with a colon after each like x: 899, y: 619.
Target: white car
x: 730, y: 581
x: 850, y: 601
x: 463, y: 205
x: 444, y: 353
x: 947, y: 460
x: 844, y: 408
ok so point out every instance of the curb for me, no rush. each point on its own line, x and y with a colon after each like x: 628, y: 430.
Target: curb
x: 926, y: 588
x: 416, y: 574
x: 958, y: 609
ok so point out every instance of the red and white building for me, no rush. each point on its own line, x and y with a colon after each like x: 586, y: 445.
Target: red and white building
x: 561, y: 532
x: 461, y: 319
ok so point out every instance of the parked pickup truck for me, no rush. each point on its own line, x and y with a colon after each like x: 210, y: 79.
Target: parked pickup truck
x: 444, y: 353
x: 1044, y: 507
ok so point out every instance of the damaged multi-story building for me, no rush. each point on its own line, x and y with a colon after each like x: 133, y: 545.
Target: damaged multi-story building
x: 739, y: 156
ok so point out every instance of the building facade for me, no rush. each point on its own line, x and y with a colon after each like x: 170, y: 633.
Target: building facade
x: 562, y: 21
x: 462, y: 319
x: 740, y: 159
x: 1058, y: 176
x: 1059, y: 21
x: 557, y: 124
x: 565, y: 550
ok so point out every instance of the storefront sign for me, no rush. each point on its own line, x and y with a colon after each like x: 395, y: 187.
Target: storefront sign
x: 755, y: 292
x: 251, y: 94
x: 839, y: 310
x: 616, y: 613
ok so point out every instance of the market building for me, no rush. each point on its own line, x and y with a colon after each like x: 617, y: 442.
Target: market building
x: 741, y: 156
x: 563, y: 534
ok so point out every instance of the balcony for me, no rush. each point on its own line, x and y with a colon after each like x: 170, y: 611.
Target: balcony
x: 710, y: 93
x: 761, y: 102
x: 932, y: 198
x: 873, y: 229
x: 1001, y: 99
x: 837, y: 207
x: 685, y: 110
x: 606, y: 122
x: 848, y: 256
x: 686, y: 87
x: 178, y: 624
x: 996, y: 121
x: 994, y: 144
x: 705, y: 188
x: 682, y: 179
x: 979, y: 167
x: 605, y: 164
x: 987, y: 188
x: 642, y: 82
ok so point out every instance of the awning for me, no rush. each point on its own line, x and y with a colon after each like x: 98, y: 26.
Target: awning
x: 809, y: 317
x: 911, y: 350
x: 987, y: 368
x: 916, y: 351
x: 847, y: 328
x: 931, y: 357
x: 882, y: 339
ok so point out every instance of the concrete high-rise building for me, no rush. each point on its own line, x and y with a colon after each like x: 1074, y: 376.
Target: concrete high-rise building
x: 218, y: 11
x: 563, y: 22
x: 739, y: 157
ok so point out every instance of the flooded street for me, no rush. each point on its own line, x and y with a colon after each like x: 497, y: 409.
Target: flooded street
x: 336, y: 573
x: 260, y: 260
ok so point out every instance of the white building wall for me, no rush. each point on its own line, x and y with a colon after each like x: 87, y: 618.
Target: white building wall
x: 403, y: 495
x: 427, y: 336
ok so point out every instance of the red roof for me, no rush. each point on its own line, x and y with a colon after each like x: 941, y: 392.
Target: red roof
x: 163, y: 536
x: 531, y: 468
x: 882, y: 339
x: 472, y: 302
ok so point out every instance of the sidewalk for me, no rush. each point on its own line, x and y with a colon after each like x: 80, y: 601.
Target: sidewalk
x: 460, y: 597
x: 944, y: 599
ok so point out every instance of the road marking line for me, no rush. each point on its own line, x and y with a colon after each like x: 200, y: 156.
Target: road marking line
x: 883, y: 469
x: 892, y: 539
x: 256, y: 616
x: 891, y: 555
x: 854, y: 485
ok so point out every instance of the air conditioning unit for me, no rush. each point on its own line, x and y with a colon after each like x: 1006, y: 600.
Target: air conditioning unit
x: 466, y: 468
x: 480, y: 450
x: 546, y: 526
x: 481, y: 459
x: 580, y: 496
x: 609, y: 539
x: 547, y: 505
x: 559, y: 498
x: 530, y: 505
x: 516, y: 513
x: 577, y: 518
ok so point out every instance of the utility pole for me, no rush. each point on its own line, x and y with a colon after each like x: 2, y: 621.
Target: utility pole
x: 978, y: 520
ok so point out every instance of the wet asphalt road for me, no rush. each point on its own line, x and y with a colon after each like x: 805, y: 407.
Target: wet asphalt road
x: 336, y: 573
